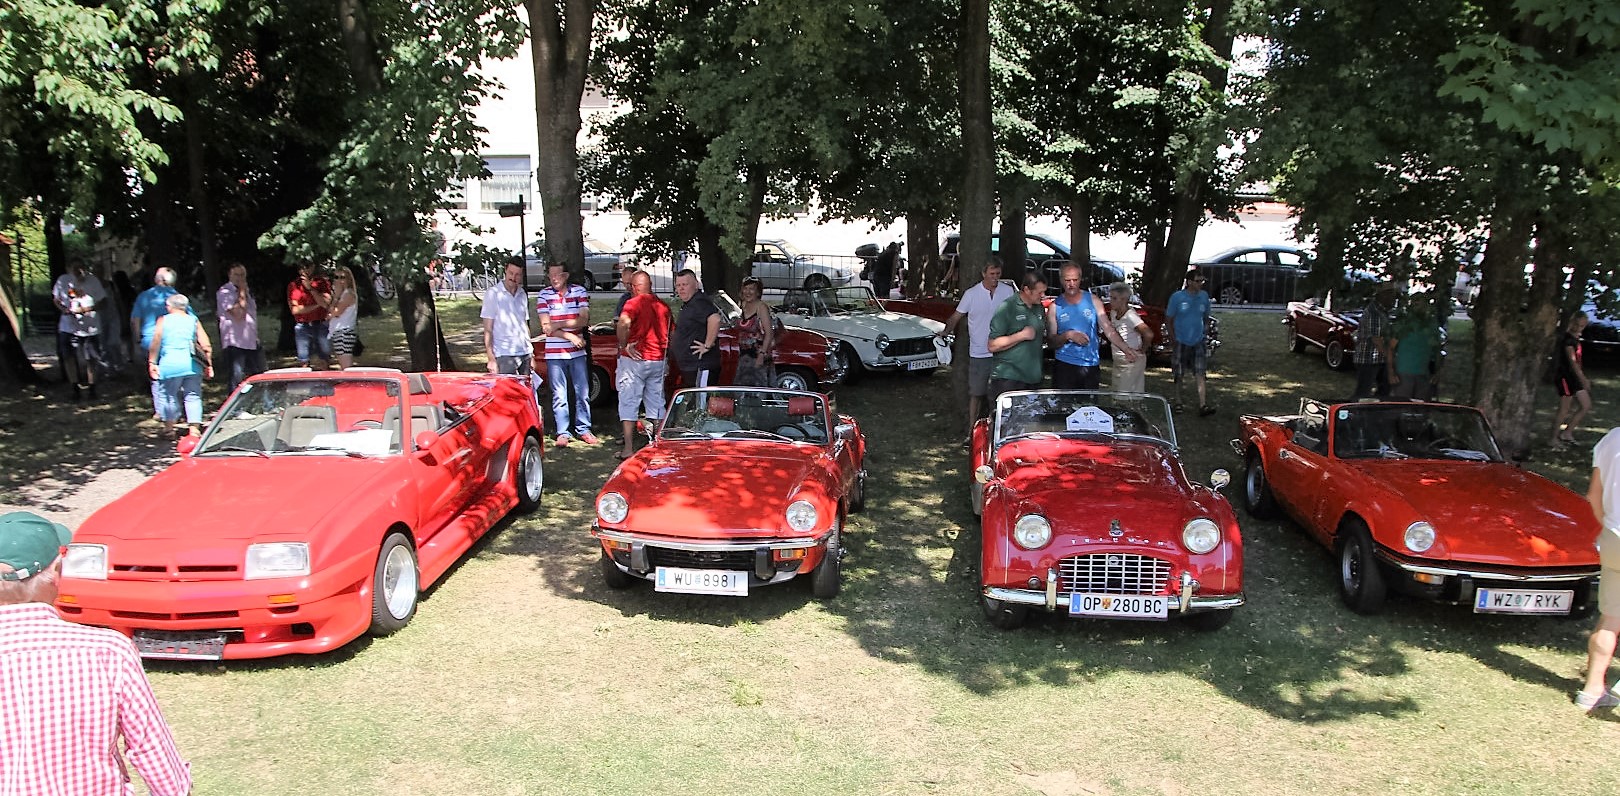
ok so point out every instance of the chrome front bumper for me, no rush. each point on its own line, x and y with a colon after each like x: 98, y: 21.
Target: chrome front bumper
x: 1184, y: 601
x: 764, y: 565
x: 1481, y: 574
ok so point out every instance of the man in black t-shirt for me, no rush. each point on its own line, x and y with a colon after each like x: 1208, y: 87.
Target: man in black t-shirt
x: 695, y: 344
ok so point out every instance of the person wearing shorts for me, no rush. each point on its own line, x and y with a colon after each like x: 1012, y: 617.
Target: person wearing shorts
x: 1188, y: 313
x: 1574, y: 389
x: 978, y: 305
x: 1604, y: 495
x: 643, y: 332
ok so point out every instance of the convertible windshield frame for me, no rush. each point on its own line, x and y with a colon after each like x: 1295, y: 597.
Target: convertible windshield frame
x: 1083, y: 414
x: 1426, y: 431
x: 336, y: 414
x: 747, y: 413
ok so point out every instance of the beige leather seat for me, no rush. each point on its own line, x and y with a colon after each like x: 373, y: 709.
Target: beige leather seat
x: 300, y: 424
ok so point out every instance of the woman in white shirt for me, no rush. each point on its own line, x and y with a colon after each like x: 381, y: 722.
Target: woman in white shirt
x: 1128, y: 376
x: 1604, y: 495
x: 344, y: 336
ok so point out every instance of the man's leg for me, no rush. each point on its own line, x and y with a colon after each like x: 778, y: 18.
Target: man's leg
x: 301, y: 341
x: 579, y: 382
x: 630, y: 387
x: 557, y: 374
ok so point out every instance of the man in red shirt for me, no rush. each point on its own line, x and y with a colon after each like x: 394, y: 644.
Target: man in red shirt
x: 643, y: 329
x: 70, y: 691
x: 308, y: 298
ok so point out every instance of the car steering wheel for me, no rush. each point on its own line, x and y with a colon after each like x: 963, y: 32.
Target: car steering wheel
x: 368, y: 423
x: 1449, y: 442
x: 792, y: 431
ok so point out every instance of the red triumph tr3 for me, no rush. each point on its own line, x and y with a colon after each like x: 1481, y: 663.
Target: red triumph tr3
x: 1416, y: 497
x: 315, y: 508
x: 1085, y: 509
x: 743, y: 487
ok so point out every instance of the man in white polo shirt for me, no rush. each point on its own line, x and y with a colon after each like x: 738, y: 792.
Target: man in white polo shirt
x: 979, y: 305
x: 507, y: 341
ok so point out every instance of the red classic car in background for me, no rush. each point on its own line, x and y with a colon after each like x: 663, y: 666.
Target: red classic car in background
x: 805, y: 360
x: 743, y: 487
x: 1417, y: 497
x: 314, y: 508
x: 1086, y: 509
x: 1328, y: 325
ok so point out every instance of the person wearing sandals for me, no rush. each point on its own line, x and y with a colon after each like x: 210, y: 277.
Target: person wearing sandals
x: 341, y: 329
x: 181, y: 355
x: 1574, y: 389
x: 1604, y: 495
x: 755, y: 338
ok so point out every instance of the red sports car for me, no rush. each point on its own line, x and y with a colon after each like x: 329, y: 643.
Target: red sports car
x: 743, y: 487
x: 1325, y: 325
x: 314, y: 508
x: 1085, y: 509
x: 804, y: 360
x: 1416, y: 497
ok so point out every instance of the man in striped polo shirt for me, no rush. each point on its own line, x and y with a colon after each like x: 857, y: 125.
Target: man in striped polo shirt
x: 565, y: 313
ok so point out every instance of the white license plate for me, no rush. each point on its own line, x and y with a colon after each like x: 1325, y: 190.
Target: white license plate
x: 701, y: 581
x: 1523, y: 601
x: 922, y: 364
x: 1118, y: 606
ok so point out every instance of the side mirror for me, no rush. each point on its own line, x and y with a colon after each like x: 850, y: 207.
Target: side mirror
x: 425, y: 440
x: 187, y: 444
x: 1220, y: 478
x: 983, y: 473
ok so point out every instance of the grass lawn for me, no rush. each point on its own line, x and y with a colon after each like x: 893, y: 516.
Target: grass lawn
x: 523, y: 674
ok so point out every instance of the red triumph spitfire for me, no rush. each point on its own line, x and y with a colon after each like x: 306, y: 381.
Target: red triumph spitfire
x: 314, y: 508
x: 743, y: 487
x: 1417, y: 497
x: 1086, y: 510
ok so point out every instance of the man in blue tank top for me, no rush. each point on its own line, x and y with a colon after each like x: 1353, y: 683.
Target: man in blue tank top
x: 1072, y: 326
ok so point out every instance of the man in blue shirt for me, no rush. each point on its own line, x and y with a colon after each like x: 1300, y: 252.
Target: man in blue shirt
x: 1072, y: 325
x: 1188, y: 312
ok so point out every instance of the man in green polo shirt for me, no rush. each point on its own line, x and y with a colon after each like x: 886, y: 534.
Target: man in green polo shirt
x: 1016, y: 331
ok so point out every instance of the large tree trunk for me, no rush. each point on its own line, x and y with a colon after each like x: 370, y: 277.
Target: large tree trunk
x: 922, y: 239
x: 756, y: 185
x: 197, y: 185
x: 1158, y: 281
x: 1014, y: 246
x: 429, y: 351
x: 55, y: 250
x: 560, y: 53
x: 716, y: 262
x: 979, y: 168
x: 1187, y: 214
x: 1080, y: 229
x: 1514, y: 329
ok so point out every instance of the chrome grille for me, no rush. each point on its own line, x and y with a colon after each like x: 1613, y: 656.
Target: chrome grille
x: 910, y: 347
x: 701, y: 559
x: 1114, y: 573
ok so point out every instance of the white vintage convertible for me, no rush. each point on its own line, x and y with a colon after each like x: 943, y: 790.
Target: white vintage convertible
x: 876, y: 339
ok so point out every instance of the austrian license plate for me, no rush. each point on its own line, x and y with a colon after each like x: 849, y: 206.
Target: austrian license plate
x: 701, y: 581
x: 1523, y: 601
x: 922, y: 364
x: 1118, y: 606
x: 180, y: 646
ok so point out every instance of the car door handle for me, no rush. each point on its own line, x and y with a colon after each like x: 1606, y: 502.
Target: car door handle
x: 1284, y: 454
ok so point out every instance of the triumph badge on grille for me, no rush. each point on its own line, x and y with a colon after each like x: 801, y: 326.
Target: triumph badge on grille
x: 1114, y: 529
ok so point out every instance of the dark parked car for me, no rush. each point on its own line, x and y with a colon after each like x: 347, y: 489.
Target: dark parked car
x: 1256, y: 274
x: 1049, y: 255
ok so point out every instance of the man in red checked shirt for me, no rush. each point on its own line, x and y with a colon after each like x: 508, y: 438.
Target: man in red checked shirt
x: 68, y: 692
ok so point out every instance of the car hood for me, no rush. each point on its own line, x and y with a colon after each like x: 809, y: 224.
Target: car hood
x: 1083, y: 486
x: 1491, y: 512
x: 239, y: 497
x: 867, y: 326
x: 719, y: 489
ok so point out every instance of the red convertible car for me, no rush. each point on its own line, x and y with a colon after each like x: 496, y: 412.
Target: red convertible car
x: 315, y: 508
x: 804, y: 360
x: 743, y: 487
x: 1416, y: 497
x: 1085, y: 509
x: 1327, y: 325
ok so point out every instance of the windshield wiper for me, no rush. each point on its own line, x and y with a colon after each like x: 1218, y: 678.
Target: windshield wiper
x: 754, y: 432
x: 679, y: 432
x: 236, y: 449
x: 345, y: 451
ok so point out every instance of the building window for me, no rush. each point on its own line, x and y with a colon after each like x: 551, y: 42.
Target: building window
x: 508, y: 179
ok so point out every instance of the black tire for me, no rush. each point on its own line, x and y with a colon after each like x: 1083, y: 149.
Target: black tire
x: 1005, y: 616
x: 614, y: 577
x: 795, y: 378
x: 599, y: 386
x: 828, y: 578
x: 1208, y: 621
x: 1230, y: 294
x: 530, y: 474
x: 1361, y: 582
x: 1296, y: 343
x: 590, y: 281
x: 857, y: 494
x: 856, y: 368
x: 1333, y: 352
x: 1258, y: 498
x: 395, y: 585
x: 817, y: 282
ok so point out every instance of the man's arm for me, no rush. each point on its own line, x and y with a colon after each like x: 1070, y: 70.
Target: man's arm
x: 1594, y: 493
x: 950, y: 323
x: 147, y: 739
x: 489, y: 345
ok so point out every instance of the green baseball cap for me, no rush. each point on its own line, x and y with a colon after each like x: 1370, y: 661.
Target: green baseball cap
x: 29, y: 543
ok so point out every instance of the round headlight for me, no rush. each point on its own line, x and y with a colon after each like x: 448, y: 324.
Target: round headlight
x: 801, y: 516
x: 612, y: 507
x: 882, y: 342
x: 1201, y: 535
x: 1032, y: 532
x: 1419, y: 536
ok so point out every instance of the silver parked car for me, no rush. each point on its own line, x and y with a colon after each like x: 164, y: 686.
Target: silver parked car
x: 601, y: 266
x: 781, y: 266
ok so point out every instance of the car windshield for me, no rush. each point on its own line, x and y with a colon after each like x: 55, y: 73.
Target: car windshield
x: 746, y: 413
x: 1412, y: 431
x: 1082, y: 413
x: 793, y: 252
x: 729, y: 311
x: 314, y: 416
x: 832, y: 301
